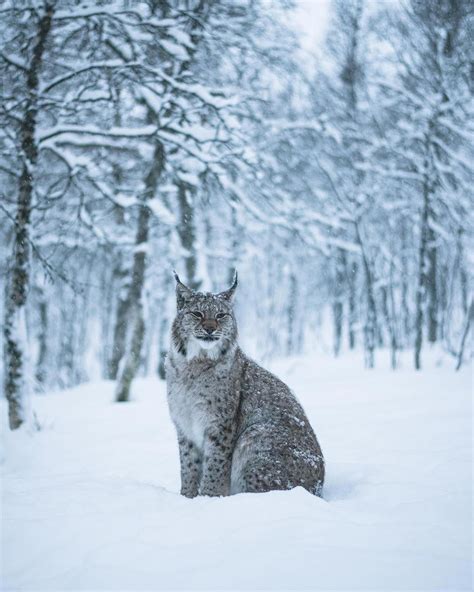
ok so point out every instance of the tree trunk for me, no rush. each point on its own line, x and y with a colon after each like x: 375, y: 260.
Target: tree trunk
x: 352, y: 316
x: 371, y: 319
x: 67, y: 356
x: 187, y: 234
x: 421, y: 287
x: 469, y: 317
x: 393, y: 326
x: 135, y: 321
x: 132, y: 359
x: 405, y: 275
x: 236, y: 238
x: 107, y: 294
x: 41, y: 367
x: 162, y: 350
x: 121, y: 274
x: 388, y: 311
x: 370, y: 327
x: 121, y: 277
x: 431, y: 284
x: 338, y: 307
x: 15, y: 346
x: 292, y: 341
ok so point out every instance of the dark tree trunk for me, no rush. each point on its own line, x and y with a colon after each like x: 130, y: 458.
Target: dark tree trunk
x: 431, y: 285
x: 15, y: 324
x: 379, y: 331
x: 422, y: 263
x: 135, y: 321
x: 467, y: 326
x: 41, y: 368
x: 121, y: 281
x: 371, y: 318
x: 443, y: 299
x: 405, y: 274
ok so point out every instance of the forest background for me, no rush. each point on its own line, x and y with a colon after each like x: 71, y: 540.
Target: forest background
x: 138, y: 137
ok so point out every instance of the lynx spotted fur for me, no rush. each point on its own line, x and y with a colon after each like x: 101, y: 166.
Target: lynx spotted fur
x: 240, y: 429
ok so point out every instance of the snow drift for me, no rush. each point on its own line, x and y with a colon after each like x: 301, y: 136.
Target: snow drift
x: 90, y: 502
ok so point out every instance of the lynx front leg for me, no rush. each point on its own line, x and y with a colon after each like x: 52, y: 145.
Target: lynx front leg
x: 217, y: 463
x: 191, y: 467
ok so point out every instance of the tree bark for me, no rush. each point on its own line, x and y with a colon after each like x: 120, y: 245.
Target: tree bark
x: 432, y: 283
x: 292, y: 341
x: 132, y: 359
x: 352, y: 315
x: 162, y: 350
x: 469, y: 317
x: 370, y: 327
x: 135, y: 322
x: 421, y: 287
x: 15, y: 324
x: 388, y: 311
x: 371, y: 318
x: 393, y: 326
x: 405, y: 274
x: 338, y: 307
x: 121, y: 276
x: 41, y: 368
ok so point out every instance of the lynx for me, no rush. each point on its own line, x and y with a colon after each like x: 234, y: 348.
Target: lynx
x: 240, y: 428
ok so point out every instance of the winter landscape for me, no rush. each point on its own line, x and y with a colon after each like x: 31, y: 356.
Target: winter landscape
x: 321, y: 148
x: 92, y: 501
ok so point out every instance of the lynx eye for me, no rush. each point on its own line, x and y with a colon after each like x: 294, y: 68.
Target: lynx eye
x: 221, y: 315
x: 197, y: 314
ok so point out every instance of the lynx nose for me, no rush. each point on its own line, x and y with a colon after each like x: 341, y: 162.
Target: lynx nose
x: 209, y: 326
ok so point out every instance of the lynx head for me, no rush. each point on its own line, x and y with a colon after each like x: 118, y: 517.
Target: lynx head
x: 204, y: 322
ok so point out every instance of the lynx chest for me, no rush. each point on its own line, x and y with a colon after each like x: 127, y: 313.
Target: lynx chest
x: 199, y: 400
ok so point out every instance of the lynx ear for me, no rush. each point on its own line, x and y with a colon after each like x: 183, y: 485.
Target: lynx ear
x: 229, y: 294
x: 183, y: 293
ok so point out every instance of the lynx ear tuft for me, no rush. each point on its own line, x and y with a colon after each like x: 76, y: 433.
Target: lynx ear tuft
x: 183, y: 293
x: 229, y: 294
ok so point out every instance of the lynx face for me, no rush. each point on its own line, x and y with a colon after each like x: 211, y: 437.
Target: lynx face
x: 203, y: 320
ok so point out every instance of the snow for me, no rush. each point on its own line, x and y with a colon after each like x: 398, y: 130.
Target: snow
x: 174, y: 49
x: 181, y: 37
x: 91, y: 501
x: 119, y: 132
x: 159, y: 209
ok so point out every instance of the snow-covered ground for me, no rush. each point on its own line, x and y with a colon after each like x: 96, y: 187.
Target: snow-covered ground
x: 91, y: 501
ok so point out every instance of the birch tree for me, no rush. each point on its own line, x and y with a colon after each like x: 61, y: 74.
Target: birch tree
x: 25, y: 57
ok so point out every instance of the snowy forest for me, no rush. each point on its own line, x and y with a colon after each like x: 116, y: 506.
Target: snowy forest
x: 323, y: 149
x: 143, y: 136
